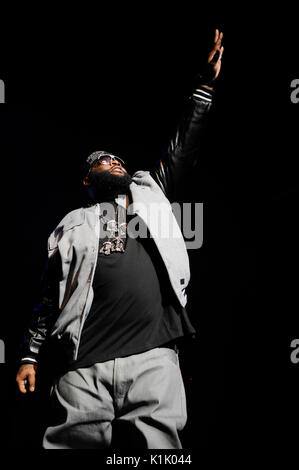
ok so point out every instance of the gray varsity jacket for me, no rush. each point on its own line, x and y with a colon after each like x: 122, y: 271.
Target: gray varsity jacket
x: 73, y: 245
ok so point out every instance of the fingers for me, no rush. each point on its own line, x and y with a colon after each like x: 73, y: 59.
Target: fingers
x: 218, y: 43
x: 21, y: 384
x: 31, y: 380
x: 221, y: 52
x: 216, y: 35
x: 26, y: 373
x: 217, y: 48
x: 214, y: 56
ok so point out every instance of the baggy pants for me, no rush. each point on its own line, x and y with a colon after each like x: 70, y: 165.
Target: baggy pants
x: 136, y: 401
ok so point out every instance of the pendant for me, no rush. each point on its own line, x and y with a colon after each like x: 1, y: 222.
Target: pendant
x: 117, y: 245
x: 106, y: 248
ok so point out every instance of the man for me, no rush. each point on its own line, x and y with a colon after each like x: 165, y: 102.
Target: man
x: 113, y: 307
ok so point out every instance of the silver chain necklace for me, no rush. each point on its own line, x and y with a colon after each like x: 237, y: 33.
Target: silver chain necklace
x: 117, y: 235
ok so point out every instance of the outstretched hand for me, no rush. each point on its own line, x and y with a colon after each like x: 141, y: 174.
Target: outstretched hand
x: 213, y: 66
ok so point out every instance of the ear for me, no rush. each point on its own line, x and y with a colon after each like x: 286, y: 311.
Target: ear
x: 86, y: 181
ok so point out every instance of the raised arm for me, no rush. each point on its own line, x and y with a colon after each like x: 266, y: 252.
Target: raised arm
x: 183, y: 150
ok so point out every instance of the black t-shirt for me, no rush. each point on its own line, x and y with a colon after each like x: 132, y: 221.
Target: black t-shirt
x: 134, y: 307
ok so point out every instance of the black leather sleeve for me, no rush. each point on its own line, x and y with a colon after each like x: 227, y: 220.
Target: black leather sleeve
x: 45, y: 314
x: 183, y: 150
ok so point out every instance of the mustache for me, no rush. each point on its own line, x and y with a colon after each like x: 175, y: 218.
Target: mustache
x: 118, y: 169
x: 103, y: 177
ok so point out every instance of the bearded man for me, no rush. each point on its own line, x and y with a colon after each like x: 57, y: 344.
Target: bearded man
x: 114, y: 303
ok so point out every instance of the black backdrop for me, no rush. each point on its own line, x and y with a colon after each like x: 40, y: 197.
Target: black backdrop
x: 126, y: 95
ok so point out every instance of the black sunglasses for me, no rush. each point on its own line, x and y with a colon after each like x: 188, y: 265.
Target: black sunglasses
x: 107, y: 160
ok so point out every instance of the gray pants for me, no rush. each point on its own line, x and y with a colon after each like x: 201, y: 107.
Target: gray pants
x: 136, y: 401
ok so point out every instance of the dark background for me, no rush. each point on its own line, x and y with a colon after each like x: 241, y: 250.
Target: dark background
x: 125, y: 91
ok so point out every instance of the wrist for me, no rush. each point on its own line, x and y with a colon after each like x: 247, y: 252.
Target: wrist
x: 205, y: 81
x: 208, y: 87
x: 28, y: 360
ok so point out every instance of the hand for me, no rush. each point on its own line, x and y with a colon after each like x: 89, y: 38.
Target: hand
x: 213, y: 65
x: 26, y: 372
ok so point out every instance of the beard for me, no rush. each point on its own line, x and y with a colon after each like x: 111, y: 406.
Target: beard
x: 106, y: 186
